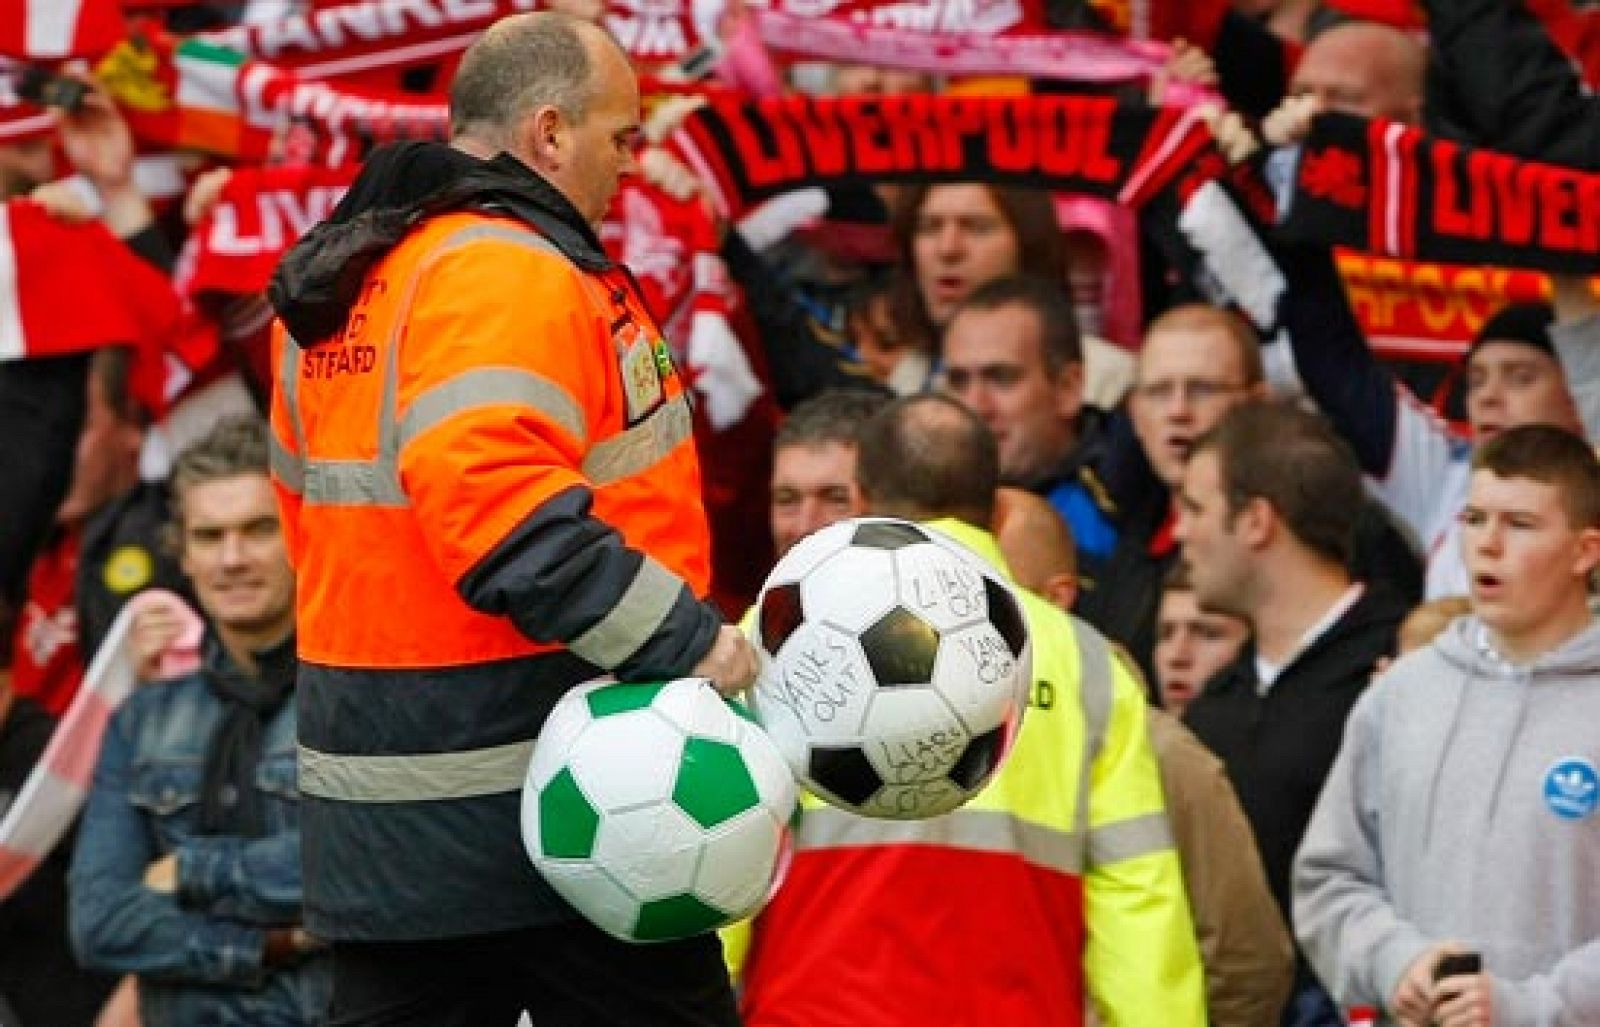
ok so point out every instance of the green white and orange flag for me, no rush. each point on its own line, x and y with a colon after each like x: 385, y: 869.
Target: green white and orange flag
x: 183, y: 94
x: 195, y: 94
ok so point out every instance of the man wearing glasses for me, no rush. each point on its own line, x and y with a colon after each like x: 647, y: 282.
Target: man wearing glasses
x: 1198, y: 363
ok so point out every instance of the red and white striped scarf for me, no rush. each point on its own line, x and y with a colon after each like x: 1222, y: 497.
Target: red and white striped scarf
x: 50, y: 30
x: 59, y: 784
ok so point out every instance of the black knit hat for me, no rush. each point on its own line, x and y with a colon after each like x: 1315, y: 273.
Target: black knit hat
x: 1527, y: 323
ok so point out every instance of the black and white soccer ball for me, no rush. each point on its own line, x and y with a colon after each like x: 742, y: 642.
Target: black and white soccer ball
x: 895, y: 667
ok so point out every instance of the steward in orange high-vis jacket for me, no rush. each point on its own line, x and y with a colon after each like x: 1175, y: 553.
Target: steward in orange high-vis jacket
x: 491, y: 494
x: 483, y: 451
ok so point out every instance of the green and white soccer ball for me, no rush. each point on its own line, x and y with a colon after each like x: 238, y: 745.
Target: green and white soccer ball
x: 658, y: 811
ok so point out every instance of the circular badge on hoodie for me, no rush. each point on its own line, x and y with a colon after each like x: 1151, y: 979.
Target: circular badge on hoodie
x: 128, y: 569
x: 1572, y: 788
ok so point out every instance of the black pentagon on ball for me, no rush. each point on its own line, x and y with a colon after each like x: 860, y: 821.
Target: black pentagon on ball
x: 781, y: 615
x: 888, y: 535
x: 1005, y: 613
x: 846, y: 772
x: 979, y: 759
x: 901, y: 648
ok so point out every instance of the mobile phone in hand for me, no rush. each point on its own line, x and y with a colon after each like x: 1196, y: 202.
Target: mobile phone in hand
x: 41, y: 86
x: 1458, y: 964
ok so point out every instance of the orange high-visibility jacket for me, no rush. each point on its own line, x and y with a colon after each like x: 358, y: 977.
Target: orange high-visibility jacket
x: 490, y: 492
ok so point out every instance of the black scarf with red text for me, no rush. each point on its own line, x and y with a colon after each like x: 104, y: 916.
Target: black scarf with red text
x: 1388, y: 189
x: 1129, y: 152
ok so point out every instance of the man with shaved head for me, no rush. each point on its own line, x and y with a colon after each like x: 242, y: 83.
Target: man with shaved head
x: 1364, y: 68
x: 533, y: 501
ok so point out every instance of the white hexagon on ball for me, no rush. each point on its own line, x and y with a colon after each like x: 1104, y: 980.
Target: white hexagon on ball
x: 697, y: 712
x: 912, y: 735
x: 822, y: 683
x: 850, y: 589
x: 562, y: 728
x: 974, y: 664
x: 750, y: 839
x: 627, y: 759
x: 652, y: 852
x: 604, y: 902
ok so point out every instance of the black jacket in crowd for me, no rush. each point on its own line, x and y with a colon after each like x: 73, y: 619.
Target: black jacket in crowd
x: 1279, y: 748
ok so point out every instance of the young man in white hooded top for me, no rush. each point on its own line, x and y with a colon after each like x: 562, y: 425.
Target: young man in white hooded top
x: 1461, y: 815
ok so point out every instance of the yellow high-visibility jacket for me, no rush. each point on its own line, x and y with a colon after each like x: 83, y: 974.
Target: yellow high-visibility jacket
x: 1058, y: 882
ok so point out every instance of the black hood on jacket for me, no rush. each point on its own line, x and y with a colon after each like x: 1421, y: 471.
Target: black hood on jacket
x: 401, y: 175
x: 319, y: 279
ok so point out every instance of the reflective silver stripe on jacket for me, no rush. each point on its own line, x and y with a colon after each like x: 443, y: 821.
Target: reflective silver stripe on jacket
x: 286, y: 466
x: 493, y: 386
x: 978, y: 830
x: 1096, y: 694
x: 642, y: 446
x: 376, y: 482
x: 420, y: 777
x: 1122, y: 839
x: 637, y: 615
x: 1127, y: 839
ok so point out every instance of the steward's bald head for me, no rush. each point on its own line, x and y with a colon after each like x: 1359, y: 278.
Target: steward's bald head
x: 521, y: 63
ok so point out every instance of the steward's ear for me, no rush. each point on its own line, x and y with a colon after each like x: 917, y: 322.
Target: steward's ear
x: 542, y: 139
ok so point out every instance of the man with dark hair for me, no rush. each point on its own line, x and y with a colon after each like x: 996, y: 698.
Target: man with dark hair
x: 1198, y: 362
x: 814, y: 463
x: 1055, y: 886
x: 187, y: 867
x: 490, y: 434
x: 1012, y: 355
x: 1461, y: 813
x: 1247, y: 953
x: 1267, y: 512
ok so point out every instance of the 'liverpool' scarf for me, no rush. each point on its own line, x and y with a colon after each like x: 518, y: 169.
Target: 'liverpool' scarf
x: 1388, y: 189
x: 1411, y: 310
x: 260, y: 214
x: 753, y: 151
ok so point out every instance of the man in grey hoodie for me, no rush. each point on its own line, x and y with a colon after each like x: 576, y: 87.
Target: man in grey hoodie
x: 1463, y: 812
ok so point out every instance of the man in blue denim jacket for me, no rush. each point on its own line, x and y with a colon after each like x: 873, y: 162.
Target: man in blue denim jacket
x: 187, y: 870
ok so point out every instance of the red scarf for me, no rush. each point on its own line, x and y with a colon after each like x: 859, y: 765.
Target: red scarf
x: 67, y: 288
x: 260, y: 214
x: 48, y: 30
